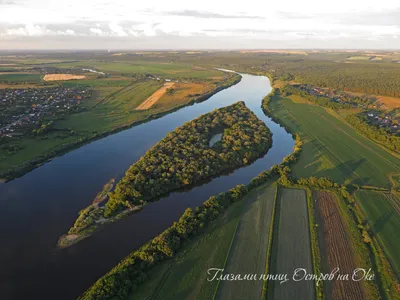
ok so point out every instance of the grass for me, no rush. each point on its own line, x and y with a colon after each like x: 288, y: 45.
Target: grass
x: 378, y: 207
x: 291, y: 246
x: 20, y: 77
x: 249, y: 250
x: 163, y: 69
x: 332, y: 148
x: 185, y: 276
x: 97, y: 83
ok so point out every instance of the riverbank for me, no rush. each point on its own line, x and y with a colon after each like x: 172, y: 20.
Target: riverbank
x: 30, y: 165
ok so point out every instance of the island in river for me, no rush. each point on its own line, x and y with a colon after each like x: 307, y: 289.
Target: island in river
x: 181, y: 159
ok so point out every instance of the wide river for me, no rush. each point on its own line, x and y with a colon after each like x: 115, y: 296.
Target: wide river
x: 36, y: 209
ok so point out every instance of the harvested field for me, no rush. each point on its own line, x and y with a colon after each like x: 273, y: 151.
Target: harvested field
x: 55, y: 77
x: 291, y: 247
x: 149, y: 102
x: 336, y: 248
x: 249, y: 250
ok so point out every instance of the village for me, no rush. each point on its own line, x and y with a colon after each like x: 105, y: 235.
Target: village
x: 387, y: 121
x: 363, y: 101
x: 23, y: 110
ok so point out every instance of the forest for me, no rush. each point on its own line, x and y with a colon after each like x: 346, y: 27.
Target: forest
x: 184, y: 156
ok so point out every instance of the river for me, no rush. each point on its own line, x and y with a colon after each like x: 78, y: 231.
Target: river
x: 36, y: 209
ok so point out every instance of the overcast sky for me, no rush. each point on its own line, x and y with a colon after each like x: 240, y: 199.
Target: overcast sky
x: 205, y: 24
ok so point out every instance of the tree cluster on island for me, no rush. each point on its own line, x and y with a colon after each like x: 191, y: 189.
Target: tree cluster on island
x: 184, y: 156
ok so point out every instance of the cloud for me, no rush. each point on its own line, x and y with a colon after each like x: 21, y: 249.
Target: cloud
x: 117, y: 29
x: 209, y: 15
x: 96, y: 31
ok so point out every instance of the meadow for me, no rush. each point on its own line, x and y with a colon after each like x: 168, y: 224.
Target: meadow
x: 248, y: 254
x: 291, y: 246
x: 332, y: 148
x: 383, y: 214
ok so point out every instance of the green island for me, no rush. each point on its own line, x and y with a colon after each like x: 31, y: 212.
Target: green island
x: 183, y: 158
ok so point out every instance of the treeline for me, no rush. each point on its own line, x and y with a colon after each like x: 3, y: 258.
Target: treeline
x: 184, y: 157
x: 132, y: 271
x: 389, y: 140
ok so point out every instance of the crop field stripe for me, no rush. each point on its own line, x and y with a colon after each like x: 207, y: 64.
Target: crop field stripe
x: 293, y: 246
x: 315, y: 242
x: 269, y: 251
x: 248, y: 254
x: 385, y: 227
x: 227, y: 257
x: 337, y: 246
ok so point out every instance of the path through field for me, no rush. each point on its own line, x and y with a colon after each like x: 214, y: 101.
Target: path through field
x: 149, y: 102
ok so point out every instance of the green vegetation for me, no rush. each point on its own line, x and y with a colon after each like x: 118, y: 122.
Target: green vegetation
x: 382, y: 210
x: 331, y: 147
x: 389, y: 140
x: 185, y: 276
x: 292, y: 246
x: 183, y: 157
x: 20, y: 78
x: 248, y: 254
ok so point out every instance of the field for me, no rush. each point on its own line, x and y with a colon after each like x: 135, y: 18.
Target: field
x: 383, y: 214
x: 337, y: 250
x: 163, y: 69
x: 248, y: 253
x: 149, y: 102
x: 20, y: 77
x: 332, y: 148
x: 58, y: 77
x: 236, y: 242
x: 291, y: 246
x: 185, y: 277
x: 389, y: 102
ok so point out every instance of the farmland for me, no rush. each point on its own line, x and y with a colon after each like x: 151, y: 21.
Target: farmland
x: 337, y: 249
x: 332, y: 148
x: 249, y: 250
x: 382, y: 212
x: 185, y: 277
x: 236, y: 242
x: 291, y: 246
x: 13, y: 78
x: 163, y: 69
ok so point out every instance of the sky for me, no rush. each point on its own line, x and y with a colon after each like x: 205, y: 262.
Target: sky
x: 215, y: 24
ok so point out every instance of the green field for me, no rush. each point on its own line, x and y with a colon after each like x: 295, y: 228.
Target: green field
x: 97, y: 83
x: 248, y: 253
x: 332, y: 148
x: 16, y: 78
x: 185, y: 277
x: 379, y: 208
x: 163, y: 69
x: 291, y: 246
